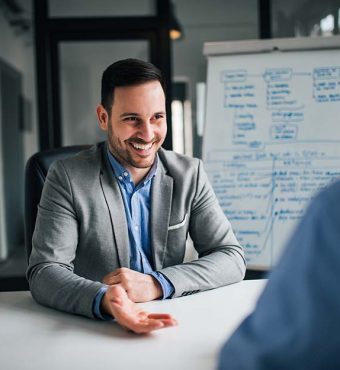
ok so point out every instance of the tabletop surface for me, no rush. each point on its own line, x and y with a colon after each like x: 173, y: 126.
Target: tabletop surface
x: 36, y: 337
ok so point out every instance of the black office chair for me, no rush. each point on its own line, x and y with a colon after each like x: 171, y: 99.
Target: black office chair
x: 35, y: 175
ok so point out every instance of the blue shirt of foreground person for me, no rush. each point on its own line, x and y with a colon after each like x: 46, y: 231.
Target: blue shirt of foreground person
x: 296, y: 324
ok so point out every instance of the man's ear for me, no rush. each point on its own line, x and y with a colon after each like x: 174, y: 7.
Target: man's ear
x: 103, y: 117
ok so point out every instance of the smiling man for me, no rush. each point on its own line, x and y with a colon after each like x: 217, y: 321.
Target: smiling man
x: 113, y: 221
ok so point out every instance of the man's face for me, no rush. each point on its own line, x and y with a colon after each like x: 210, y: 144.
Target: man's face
x: 137, y: 126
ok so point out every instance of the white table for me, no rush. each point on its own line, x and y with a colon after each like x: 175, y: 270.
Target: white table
x: 36, y: 337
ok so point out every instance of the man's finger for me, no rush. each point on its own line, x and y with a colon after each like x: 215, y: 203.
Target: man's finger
x: 169, y: 322
x: 111, y: 279
x: 159, y: 316
x: 113, y: 273
x: 140, y: 326
x: 146, y: 326
x: 166, y: 319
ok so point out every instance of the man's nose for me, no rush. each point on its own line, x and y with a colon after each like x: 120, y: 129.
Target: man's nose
x: 146, y: 131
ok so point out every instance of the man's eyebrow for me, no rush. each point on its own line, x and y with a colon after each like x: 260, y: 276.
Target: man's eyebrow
x: 128, y: 114
x: 132, y: 114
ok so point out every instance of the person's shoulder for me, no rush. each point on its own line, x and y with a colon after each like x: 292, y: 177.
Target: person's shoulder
x: 82, y: 161
x: 324, y: 205
x: 173, y: 160
x: 330, y: 194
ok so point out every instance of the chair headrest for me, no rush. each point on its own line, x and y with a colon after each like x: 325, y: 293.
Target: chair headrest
x: 35, y: 174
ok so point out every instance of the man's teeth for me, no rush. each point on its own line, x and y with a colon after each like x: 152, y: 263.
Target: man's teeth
x: 142, y: 146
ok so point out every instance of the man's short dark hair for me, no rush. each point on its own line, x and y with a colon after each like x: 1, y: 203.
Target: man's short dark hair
x: 127, y: 72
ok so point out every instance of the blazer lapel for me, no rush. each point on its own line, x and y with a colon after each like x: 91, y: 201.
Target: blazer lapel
x: 116, y: 208
x: 161, y: 194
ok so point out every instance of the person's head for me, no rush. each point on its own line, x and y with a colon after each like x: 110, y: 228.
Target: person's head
x: 132, y: 112
x: 127, y: 72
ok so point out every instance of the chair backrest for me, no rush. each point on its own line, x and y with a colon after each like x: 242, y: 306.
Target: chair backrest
x: 35, y: 174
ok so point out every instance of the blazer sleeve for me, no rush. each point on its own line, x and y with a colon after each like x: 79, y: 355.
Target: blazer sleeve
x: 51, y: 272
x: 221, y: 258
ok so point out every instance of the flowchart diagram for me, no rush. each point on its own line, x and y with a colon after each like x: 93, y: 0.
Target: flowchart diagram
x: 274, y: 144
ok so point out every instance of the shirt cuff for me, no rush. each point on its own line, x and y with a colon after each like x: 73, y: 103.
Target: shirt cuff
x: 96, y: 305
x: 167, y: 288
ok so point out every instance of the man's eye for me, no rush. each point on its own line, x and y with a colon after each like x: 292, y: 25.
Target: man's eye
x: 131, y: 119
x: 159, y: 116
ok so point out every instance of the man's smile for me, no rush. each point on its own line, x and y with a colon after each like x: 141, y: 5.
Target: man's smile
x: 142, y: 146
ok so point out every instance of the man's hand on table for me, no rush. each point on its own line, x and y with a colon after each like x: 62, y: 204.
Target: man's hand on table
x: 128, y: 314
x: 139, y: 287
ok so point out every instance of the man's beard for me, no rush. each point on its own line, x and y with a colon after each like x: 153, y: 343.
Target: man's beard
x: 125, y: 157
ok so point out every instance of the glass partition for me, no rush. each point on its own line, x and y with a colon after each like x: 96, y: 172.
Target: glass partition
x: 81, y: 68
x: 206, y: 21
x: 294, y: 18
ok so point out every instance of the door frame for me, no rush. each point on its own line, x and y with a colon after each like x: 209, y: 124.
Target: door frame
x: 7, y: 242
x: 50, y: 32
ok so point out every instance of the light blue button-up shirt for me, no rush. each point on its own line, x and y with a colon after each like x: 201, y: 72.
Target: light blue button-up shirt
x: 137, y: 204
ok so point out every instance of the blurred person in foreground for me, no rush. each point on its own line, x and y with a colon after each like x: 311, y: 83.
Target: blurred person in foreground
x: 296, y: 323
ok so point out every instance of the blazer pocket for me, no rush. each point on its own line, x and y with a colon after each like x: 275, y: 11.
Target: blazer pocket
x: 178, y: 226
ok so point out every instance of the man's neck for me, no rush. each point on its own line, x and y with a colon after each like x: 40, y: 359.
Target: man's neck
x: 137, y: 174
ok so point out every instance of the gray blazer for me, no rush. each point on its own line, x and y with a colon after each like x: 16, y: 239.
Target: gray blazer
x: 81, y: 231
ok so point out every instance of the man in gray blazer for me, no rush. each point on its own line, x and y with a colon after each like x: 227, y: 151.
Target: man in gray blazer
x: 113, y: 221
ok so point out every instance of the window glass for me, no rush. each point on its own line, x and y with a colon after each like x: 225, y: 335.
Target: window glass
x: 206, y: 21
x: 82, y: 65
x: 294, y: 18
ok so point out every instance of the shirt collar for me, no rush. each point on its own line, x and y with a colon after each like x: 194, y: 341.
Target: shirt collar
x: 121, y: 173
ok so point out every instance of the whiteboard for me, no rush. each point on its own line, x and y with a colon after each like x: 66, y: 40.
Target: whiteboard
x: 272, y: 135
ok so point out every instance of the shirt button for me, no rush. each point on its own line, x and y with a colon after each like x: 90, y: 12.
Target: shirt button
x: 136, y: 227
x: 120, y: 177
x: 126, y: 174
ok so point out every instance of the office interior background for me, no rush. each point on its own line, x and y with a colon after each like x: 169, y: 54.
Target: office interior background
x: 52, y: 54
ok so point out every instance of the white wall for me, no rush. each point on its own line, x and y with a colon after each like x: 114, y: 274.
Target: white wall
x: 16, y: 49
